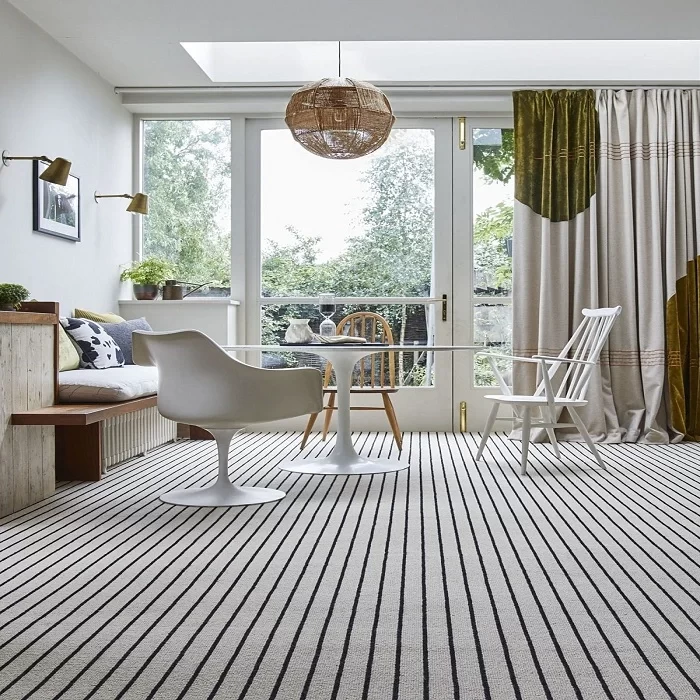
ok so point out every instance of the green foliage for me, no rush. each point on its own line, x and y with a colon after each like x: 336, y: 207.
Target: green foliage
x: 483, y: 374
x: 294, y: 270
x: 13, y: 294
x: 495, y: 160
x: 148, y: 271
x: 187, y: 174
x: 492, y: 265
x: 393, y: 254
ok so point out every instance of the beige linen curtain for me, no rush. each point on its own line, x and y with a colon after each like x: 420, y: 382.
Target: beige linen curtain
x: 636, y: 245
x: 649, y: 205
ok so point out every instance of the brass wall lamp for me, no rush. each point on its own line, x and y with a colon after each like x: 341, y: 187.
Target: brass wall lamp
x: 57, y: 172
x: 138, y: 204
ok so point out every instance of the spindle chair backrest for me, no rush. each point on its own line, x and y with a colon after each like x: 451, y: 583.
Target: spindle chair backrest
x: 374, y: 369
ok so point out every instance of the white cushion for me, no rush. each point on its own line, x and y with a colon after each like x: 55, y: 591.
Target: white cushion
x: 107, y: 385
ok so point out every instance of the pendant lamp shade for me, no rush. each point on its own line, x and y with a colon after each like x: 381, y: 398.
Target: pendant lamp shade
x: 57, y: 172
x: 339, y: 118
x: 138, y: 204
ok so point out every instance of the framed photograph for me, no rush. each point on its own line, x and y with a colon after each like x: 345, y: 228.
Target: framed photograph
x: 56, y: 208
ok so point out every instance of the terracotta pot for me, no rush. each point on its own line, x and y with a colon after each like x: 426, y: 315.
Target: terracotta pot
x: 146, y: 292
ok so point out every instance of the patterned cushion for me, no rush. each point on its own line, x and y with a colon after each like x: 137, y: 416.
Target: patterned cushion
x: 98, y: 316
x: 96, y: 348
x: 67, y: 354
x: 122, y: 332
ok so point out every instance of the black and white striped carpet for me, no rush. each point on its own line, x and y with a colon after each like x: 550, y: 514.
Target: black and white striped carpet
x: 448, y: 580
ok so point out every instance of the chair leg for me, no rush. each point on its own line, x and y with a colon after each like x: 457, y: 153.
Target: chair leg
x: 487, y: 430
x: 393, y: 422
x: 309, y: 428
x: 525, y: 440
x: 327, y: 417
x: 553, y: 440
x: 550, y: 431
x: 584, y: 433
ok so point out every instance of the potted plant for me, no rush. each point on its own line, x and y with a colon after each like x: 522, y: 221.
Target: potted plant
x: 147, y: 276
x: 11, y: 296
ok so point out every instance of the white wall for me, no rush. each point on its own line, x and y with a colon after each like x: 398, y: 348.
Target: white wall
x: 52, y: 104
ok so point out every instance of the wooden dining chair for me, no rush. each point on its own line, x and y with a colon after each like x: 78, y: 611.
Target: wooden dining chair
x: 370, y: 376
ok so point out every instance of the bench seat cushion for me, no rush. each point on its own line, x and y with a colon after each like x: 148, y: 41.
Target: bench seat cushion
x: 107, y: 385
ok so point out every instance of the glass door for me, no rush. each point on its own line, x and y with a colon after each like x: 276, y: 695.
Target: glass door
x: 482, y: 263
x: 376, y: 233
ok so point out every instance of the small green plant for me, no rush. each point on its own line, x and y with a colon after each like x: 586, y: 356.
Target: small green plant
x: 148, y: 271
x: 13, y: 295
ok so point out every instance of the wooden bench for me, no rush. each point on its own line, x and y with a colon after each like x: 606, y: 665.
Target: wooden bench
x: 79, y: 433
x: 81, y: 441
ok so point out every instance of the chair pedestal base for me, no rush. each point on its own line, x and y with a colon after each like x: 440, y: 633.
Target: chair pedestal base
x: 222, y: 495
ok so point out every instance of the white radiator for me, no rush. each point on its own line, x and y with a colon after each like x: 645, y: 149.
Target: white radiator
x: 132, y: 434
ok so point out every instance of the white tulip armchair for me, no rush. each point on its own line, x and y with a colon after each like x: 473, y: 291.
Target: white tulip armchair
x: 200, y: 384
x: 554, y: 393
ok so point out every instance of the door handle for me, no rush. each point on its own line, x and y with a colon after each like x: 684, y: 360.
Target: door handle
x: 444, y: 307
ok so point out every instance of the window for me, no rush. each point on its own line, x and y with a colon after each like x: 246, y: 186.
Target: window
x: 187, y: 175
x: 362, y: 230
x: 358, y: 228
x: 493, y: 244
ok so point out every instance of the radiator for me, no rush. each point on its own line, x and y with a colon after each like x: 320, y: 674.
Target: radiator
x: 132, y: 434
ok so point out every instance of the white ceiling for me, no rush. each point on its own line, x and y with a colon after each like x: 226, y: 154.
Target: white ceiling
x: 137, y: 42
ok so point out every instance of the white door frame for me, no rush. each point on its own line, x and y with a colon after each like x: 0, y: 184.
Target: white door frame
x: 462, y: 272
x: 417, y: 408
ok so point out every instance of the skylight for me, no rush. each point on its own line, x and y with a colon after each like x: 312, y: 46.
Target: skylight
x: 450, y: 61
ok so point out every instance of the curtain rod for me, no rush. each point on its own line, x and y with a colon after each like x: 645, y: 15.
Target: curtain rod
x: 411, y: 88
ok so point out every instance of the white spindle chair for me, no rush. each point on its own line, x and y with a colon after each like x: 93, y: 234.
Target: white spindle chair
x: 577, y: 359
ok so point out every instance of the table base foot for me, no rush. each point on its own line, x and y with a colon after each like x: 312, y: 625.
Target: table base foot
x: 345, y: 466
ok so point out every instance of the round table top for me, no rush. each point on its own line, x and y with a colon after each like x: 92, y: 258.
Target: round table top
x: 312, y: 347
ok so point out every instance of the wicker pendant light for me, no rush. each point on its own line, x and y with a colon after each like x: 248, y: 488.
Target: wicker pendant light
x: 339, y: 118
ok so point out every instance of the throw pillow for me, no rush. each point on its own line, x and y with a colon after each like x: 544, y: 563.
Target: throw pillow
x: 122, y: 334
x: 67, y: 354
x: 98, y: 316
x: 96, y: 348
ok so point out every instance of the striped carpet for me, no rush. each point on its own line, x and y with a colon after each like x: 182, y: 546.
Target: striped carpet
x: 449, y: 580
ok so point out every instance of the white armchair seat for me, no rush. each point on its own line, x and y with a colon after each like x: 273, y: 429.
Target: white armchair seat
x: 199, y: 383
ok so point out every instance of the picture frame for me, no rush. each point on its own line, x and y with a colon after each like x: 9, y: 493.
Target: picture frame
x: 56, y: 208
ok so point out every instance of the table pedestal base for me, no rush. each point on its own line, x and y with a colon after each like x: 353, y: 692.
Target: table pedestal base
x: 345, y: 466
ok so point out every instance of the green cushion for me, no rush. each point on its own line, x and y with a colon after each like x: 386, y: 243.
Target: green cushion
x: 68, y: 357
x: 98, y: 316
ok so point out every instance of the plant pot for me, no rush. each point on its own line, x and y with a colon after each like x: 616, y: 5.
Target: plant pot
x: 146, y: 292
x: 7, y: 307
